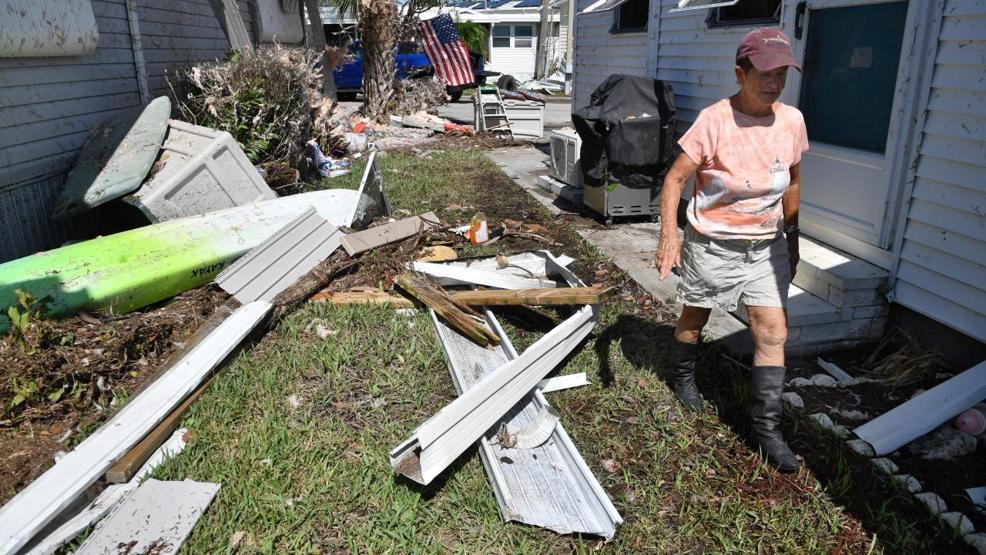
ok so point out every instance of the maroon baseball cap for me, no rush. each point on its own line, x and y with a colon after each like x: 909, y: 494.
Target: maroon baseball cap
x: 767, y: 49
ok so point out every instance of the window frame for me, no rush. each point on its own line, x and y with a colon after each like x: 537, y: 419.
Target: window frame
x: 712, y: 21
x: 615, y: 27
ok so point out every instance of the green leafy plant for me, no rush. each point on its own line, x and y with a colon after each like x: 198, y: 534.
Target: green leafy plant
x: 23, y: 315
x: 24, y: 391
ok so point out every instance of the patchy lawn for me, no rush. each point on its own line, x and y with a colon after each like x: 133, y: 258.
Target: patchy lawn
x: 297, y: 428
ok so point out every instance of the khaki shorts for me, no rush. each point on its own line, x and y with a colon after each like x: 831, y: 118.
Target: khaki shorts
x: 723, y: 273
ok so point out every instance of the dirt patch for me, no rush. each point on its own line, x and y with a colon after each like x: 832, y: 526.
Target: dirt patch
x: 68, y: 375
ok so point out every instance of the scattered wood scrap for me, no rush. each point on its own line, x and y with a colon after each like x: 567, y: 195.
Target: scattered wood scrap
x: 520, y: 297
x: 362, y: 241
x: 461, y: 317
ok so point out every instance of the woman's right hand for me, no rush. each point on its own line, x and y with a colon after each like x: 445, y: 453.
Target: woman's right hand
x: 668, y: 252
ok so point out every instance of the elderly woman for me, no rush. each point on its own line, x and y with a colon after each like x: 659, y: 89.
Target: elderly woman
x: 741, y: 242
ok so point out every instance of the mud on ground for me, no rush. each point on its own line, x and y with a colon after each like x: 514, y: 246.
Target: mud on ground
x: 60, y: 379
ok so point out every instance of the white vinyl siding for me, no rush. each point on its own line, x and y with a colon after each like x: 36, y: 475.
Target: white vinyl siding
x: 942, y: 271
x: 599, y: 54
x: 49, y: 105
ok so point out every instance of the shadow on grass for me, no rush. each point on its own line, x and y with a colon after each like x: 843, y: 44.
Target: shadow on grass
x: 900, y: 523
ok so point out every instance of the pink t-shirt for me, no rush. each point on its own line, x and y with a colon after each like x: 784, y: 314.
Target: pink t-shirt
x: 744, y: 167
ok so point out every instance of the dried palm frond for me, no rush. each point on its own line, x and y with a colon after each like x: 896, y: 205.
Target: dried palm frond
x: 899, y: 360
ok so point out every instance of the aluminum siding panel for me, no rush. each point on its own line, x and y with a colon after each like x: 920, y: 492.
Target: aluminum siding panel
x: 942, y: 271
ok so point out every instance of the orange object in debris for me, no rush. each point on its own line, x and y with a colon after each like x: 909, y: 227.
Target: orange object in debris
x: 478, y: 230
x: 359, y: 127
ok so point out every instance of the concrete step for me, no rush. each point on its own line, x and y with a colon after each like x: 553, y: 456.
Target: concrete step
x: 839, y: 277
x: 816, y: 325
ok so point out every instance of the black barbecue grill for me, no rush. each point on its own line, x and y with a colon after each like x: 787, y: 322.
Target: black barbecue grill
x: 627, y: 132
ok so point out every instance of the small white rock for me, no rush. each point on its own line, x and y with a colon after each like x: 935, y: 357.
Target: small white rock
x: 885, y: 465
x: 861, y: 447
x: 799, y: 382
x: 977, y: 541
x: 933, y: 501
x: 294, y: 401
x: 908, y: 482
x: 823, y: 380
x: 851, y: 414
x: 959, y: 521
x: 822, y: 420
x: 793, y: 399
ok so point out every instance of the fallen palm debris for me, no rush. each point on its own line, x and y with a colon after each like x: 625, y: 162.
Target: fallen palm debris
x: 463, y: 318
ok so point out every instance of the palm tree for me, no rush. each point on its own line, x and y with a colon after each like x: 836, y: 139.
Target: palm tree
x: 475, y: 35
x: 378, y: 30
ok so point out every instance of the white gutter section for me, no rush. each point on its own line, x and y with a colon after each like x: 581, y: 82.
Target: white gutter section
x: 37, y: 504
x: 549, y: 484
x: 924, y: 413
x: 691, y: 5
x: 444, y: 436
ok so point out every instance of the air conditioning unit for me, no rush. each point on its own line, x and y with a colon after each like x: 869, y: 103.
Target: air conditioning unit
x: 565, y: 147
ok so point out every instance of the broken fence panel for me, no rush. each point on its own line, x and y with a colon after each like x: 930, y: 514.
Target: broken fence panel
x: 559, y: 383
x: 548, y: 485
x: 282, y: 259
x: 444, y: 436
x: 450, y: 274
x: 108, y: 498
x: 925, y: 412
x: 48, y: 495
x: 156, y: 518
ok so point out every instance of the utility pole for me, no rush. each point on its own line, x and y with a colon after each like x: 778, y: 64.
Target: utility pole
x: 541, y: 61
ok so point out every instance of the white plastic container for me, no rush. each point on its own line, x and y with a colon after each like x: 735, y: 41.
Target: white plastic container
x: 203, y: 170
x: 526, y: 118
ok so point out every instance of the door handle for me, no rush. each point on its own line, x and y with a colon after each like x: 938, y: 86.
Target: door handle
x: 799, y: 13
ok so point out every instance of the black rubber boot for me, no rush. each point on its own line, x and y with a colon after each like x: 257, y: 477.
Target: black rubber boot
x: 767, y: 385
x: 683, y: 374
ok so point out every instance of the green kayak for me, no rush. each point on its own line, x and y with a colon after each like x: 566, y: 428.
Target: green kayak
x: 132, y: 269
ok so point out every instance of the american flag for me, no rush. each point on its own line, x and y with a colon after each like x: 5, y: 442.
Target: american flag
x: 445, y: 49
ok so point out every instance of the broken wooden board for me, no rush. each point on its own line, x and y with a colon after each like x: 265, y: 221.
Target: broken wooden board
x: 460, y: 316
x: 156, y: 518
x: 491, y: 297
x: 925, y: 412
x: 362, y: 241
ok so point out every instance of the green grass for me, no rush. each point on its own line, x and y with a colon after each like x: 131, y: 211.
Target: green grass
x: 297, y: 430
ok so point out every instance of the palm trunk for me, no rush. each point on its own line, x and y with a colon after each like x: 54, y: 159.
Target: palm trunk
x: 378, y: 26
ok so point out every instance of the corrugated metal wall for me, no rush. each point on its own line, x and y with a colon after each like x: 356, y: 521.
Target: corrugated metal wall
x: 942, y: 271
x: 49, y: 105
x: 600, y: 54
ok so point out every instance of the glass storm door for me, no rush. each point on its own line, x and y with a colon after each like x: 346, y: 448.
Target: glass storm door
x: 850, y: 52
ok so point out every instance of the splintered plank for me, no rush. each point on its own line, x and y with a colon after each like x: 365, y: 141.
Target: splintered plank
x: 461, y: 317
x: 521, y: 297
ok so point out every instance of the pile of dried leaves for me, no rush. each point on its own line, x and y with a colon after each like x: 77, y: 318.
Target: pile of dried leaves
x: 55, y: 366
x: 263, y: 99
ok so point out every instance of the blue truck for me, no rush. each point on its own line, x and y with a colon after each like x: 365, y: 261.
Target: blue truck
x: 411, y: 63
